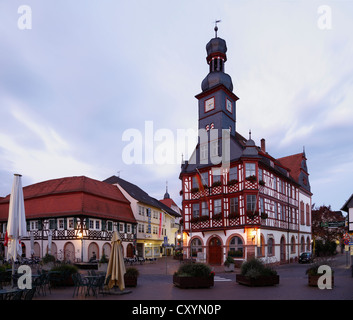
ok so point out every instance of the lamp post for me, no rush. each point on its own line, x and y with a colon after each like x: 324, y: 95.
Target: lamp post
x: 79, y: 235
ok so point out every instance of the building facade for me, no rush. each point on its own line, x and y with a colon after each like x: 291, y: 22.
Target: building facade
x: 73, y: 219
x: 237, y: 198
x: 156, y: 222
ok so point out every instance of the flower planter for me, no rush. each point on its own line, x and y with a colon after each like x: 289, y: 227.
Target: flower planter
x: 193, y: 282
x: 261, y: 281
x: 313, y: 279
x: 130, y: 281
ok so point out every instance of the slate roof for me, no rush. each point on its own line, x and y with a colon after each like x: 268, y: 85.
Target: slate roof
x: 348, y: 204
x: 140, y: 195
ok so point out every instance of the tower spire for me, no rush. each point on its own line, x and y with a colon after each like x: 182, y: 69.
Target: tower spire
x: 215, y: 27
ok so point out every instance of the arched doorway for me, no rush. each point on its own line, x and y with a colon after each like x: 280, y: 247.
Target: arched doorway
x: 283, y: 250
x: 69, y: 252
x: 215, y: 251
x: 93, y: 251
x: 129, y: 251
x: 106, y: 250
x: 54, y: 250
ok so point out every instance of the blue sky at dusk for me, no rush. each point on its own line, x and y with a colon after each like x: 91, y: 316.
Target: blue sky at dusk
x: 88, y: 71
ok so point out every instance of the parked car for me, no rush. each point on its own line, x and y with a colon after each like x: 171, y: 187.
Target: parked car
x: 306, y: 257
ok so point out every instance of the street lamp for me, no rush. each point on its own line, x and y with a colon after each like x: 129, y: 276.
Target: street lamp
x: 79, y: 235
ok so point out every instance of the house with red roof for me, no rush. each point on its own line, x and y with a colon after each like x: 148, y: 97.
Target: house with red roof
x: 78, y: 214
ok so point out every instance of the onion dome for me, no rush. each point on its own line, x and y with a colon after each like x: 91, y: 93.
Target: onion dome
x: 216, y: 57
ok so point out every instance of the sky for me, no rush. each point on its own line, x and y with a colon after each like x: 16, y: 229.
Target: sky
x: 82, y: 81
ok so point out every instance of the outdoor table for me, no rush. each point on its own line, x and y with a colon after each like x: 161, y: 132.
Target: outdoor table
x: 91, y: 283
x: 7, y: 293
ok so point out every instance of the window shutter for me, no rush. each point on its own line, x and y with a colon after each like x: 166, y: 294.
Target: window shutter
x: 104, y: 225
x: 75, y: 223
x: 28, y: 226
x: 40, y: 225
x: 65, y: 223
x: 87, y: 224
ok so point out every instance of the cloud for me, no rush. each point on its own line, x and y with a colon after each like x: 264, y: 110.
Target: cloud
x: 35, y: 149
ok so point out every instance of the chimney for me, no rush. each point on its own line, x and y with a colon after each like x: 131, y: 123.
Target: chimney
x: 263, y: 145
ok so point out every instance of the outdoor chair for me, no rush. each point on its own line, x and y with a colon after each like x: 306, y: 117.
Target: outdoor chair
x: 96, y: 285
x: 39, y: 284
x: 17, y: 295
x: 79, y: 283
x: 105, y: 288
x: 28, y: 295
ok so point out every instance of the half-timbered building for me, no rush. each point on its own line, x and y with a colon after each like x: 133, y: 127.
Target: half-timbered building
x: 73, y: 219
x: 238, y: 200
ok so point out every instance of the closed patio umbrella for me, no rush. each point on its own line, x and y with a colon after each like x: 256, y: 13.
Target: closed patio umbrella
x: 16, y: 223
x: 116, y: 266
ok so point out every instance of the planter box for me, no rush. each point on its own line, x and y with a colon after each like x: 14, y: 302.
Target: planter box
x: 313, y: 279
x: 130, y: 281
x: 258, y: 282
x: 193, y: 282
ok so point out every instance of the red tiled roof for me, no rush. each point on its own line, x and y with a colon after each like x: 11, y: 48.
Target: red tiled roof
x: 72, y: 196
x: 293, y: 163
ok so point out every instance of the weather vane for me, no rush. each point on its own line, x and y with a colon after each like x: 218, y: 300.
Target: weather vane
x: 216, y: 28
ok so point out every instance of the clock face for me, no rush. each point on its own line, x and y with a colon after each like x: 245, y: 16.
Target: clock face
x: 209, y: 104
x: 229, y: 106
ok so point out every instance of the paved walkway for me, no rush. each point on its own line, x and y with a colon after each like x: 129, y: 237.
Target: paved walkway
x: 155, y: 283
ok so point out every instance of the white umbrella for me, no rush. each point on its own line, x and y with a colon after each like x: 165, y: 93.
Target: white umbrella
x: 32, y: 243
x: 16, y: 223
x: 50, y: 239
x: 116, y: 266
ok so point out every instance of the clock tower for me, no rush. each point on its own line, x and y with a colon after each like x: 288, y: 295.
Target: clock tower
x: 217, y: 102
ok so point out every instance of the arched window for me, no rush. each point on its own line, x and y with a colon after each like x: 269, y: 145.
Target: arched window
x: 196, y: 246
x: 302, y: 244
x: 292, y: 245
x: 236, y: 247
x: 308, y: 244
x: 270, y: 247
x: 261, y: 247
x: 308, y: 222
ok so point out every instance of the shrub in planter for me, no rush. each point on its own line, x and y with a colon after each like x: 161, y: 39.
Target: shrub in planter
x: 252, y: 179
x: 255, y: 273
x: 216, y: 184
x: 252, y: 214
x: 232, y: 182
x: 217, y: 216
x: 62, y: 277
x: 194, y: 275
x: 234, y: 215
x: 194, y: 190
x: 130, y: 277
x: 314, y: 275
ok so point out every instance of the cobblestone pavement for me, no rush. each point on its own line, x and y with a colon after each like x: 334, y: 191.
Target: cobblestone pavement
x: 155, y: 283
